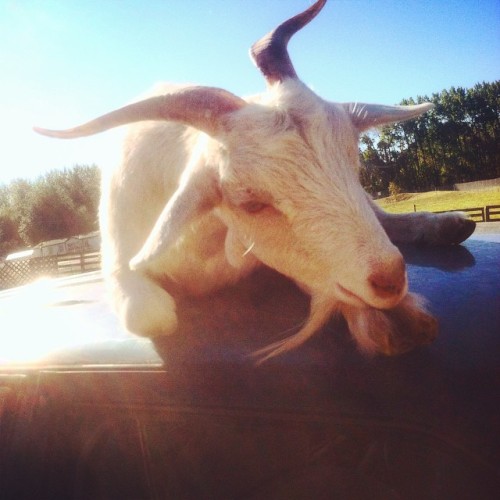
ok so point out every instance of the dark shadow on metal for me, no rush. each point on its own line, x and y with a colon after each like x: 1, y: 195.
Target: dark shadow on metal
x: 446, y: 258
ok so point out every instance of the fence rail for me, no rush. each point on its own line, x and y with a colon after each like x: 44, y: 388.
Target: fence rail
x: 20, y: 272
x: 490, y: 213
x: 79, y: 263
x: 476, y: 213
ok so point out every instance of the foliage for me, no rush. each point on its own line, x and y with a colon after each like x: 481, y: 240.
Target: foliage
x: 60, y: 204
x: 457, y: 141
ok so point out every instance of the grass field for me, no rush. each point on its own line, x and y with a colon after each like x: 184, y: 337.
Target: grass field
x: 436, y: 201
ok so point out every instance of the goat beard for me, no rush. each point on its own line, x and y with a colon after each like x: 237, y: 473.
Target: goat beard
x: 388, y: 331
x: 391, y: 331
x: 321, y: 311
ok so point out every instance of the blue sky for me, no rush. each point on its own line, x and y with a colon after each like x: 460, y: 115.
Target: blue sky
x: 66, y: 61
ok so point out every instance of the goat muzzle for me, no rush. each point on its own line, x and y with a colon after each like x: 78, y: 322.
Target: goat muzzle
x: 388, y: 282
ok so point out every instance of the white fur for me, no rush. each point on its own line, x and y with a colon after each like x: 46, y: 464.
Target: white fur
x: 287, y: 150
x: 216, y: 185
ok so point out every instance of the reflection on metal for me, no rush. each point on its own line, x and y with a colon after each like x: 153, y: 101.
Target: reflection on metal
x: 65, y: 321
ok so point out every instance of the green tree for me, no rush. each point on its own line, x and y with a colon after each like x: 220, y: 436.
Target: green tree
x: 60, y: 204
x: 458, y: 141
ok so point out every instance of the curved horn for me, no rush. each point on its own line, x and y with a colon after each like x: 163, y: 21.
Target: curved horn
x: 270, y: 53
x: 199, y: 107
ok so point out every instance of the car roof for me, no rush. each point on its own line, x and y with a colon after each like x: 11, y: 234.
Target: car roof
x: 68, y: 322
x: 63, y: 330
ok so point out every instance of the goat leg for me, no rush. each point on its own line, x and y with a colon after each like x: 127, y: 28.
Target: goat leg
x: 449, y: 228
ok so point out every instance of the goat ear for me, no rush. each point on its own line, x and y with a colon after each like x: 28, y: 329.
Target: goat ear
x: 198, y: 194
x: 366, y: 116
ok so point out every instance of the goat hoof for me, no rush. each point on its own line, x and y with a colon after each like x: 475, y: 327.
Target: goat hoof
x: 407, y: 335
x: 455, y: 228
x: 149, y: 315
x: 392, y: 331
x: 401, y: 342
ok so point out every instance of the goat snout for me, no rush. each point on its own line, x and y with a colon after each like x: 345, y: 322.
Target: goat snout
x: 388, y: 282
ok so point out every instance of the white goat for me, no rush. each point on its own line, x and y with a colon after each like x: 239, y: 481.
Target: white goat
x: 211, y: 186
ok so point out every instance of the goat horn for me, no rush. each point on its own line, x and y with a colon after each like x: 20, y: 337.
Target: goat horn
x: 270, y: 53
x: 199, y: 107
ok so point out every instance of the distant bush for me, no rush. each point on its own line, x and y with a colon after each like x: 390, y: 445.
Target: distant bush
x: 394, y: 190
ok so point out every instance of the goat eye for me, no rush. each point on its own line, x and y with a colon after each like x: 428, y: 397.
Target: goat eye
x: 253, y: 207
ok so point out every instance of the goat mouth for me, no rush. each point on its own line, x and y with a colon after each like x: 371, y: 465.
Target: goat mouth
x: 350, y: 297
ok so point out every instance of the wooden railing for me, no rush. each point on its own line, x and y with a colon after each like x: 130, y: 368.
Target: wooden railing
x: 490, y: 213
x: 78, y: 263
x: 20, y: 272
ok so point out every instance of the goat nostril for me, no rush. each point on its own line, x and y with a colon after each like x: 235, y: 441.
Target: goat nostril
x: 388, y: 278
x: 385, y: 286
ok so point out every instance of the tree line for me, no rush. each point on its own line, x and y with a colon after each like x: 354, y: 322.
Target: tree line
x: 457, y: 141
x: 59, y: 204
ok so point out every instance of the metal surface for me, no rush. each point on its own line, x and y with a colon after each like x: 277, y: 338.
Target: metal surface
x: 66, y: 322
x: 91, y: 411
